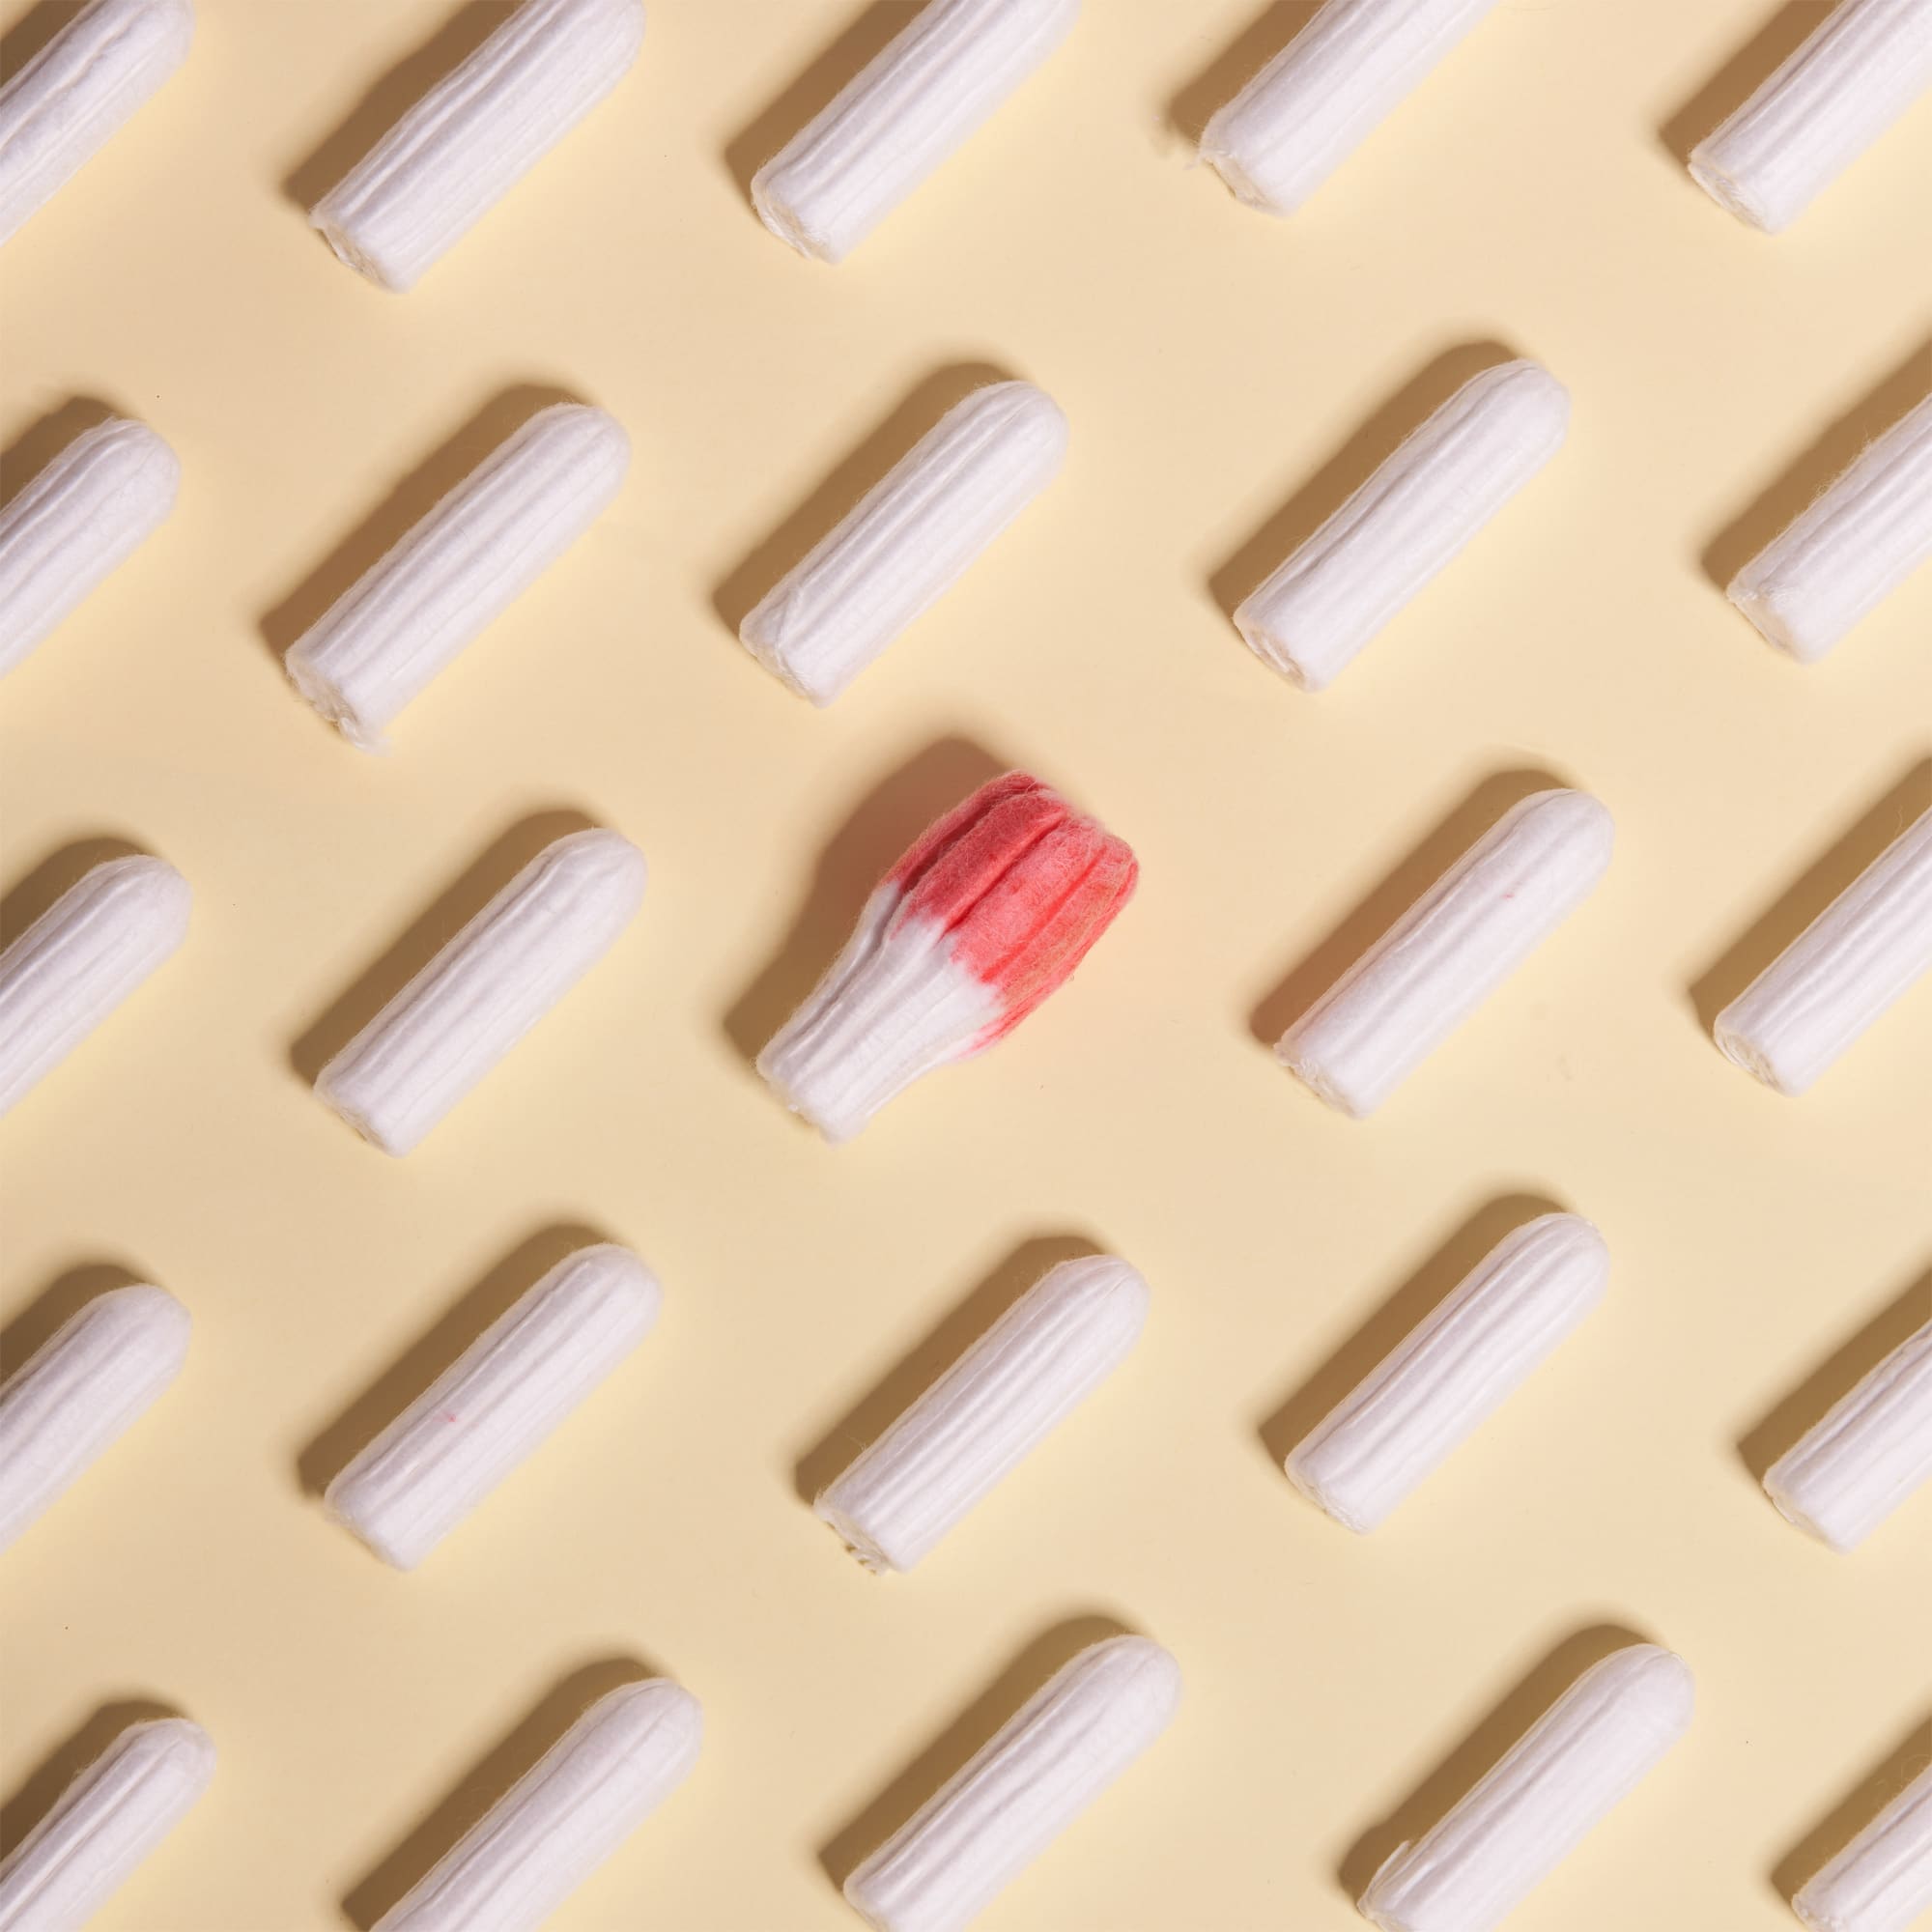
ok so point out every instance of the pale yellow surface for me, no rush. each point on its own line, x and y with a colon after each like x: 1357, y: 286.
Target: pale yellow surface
x: 1214, y: 365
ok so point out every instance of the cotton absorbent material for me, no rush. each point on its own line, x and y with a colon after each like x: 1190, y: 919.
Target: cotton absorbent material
x: 990, y: 911
x: 563, y: 1818
x: 74, y: 522
x: 1882, y: 1881
x: 893, y: 124
x: 909, y: 540
x: 1050, y: 1350
x: 1586, y: 1754
x: 1042, y: 1769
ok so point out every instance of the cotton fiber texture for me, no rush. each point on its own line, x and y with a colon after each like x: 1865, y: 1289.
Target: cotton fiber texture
x: 563, y: 1818
x: 909, y: 540
x: 476, y: 133
x: 892, y: 125
x: 1859, y: 955
x: 1036, y: 1364
x: 486, y: 989
x: 1882, y: 1881
x: 1043, y: 1768
x: 1406, y: 522
x: 1311, y: 106
x: 1862, y: 69
x: 990, y: 911
x: 62, y: 977
x: 69, y: 99
x: 103, y: 1826
x: 452, y: 576
x: 77, y: 522
x: 1586, y: 1754
x: 1852, y: 549
x: 1453, y: 1370
x: 1452, y: 949
x: 503, y: 1397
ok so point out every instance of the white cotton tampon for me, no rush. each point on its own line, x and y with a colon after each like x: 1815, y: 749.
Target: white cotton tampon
x: 70, y: 97
x: 475, y: 134
x: 893, y: 124
x: 486, y: 989
x: 1315, y: 103
x: 563, y: 1818
x: 909, y: 540
x: 76, y: 520
x: 62, y: 977
x: 1852, y: 549
x: 1452, y: 949
x: 1018, y: 1793
x: 1859, y: 955
x: 1859, y: 71
x: 496, y: 1405
x: 1406, y: 522
x: 1029, y: 1371
x: 1454, y: 1369
x: 412, y: 614
x: 104, y: 1825
x: 1586, y: 1754
x: 1882, y: 1881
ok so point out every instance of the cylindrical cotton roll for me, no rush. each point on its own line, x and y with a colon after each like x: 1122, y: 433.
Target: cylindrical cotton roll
x: 104, y: 1825
x: 1036, y: 1364
x: 909, y: 540
x: 1391, y: 1009
x: 1315, y: 103
x: 410, y: 616
x: 1456, y: 1368
x: 1018, y: 1792
x: 496, y: 1405
x: 62, y: 977
x: 476, y: 133
x: 1858, y: 956
x: 1406, y: 522
x: 70, y: 97
x: 893, y: 124
x: 79, y: 518
x: 1861, y: 70
x: 1587, y: 1752
x: 486, y: 989
x: 563, y: 1818
x: 1852, y: 549
x: 1882, y: 1881
x: 1846, y: 1475
x: 74, y: 1398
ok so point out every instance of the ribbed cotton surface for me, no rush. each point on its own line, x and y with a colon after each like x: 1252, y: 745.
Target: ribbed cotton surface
x: 1882, y: 1881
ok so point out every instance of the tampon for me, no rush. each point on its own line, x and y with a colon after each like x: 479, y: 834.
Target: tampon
x: 1391, y: 1009
x: 1864, y: 66
x: 986, y: 915
x: 1589, y: 1750
x: 1406, y: 522
x: 76, y: 520
x: 412, y: 614
x: 1455, y: 1369
x: 1859, y: 955
x: 70, y: 97
x: 1882, y: 1881
x: 1315, y: 103
x: 496, y: 1405
x: 1850, y: 1471
x: 892, y: 125
x: 1029, y: 1371
x: 62, y: 977
x: 1852, y: 549
x: 103, y: 1826
x: 909, y: 540
x: 486, y: 989
x: 475, y: 134
x: 563, y: 1818
x: 1018, y: 1792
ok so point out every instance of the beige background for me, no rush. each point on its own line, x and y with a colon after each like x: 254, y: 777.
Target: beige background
x: 1227, y: 378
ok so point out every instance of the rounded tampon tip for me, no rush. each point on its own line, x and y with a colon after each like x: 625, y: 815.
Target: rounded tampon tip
x: 150, y: 1314
x: 1731, y: 194
x: 178, y: 1746
x: 141, y: 880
